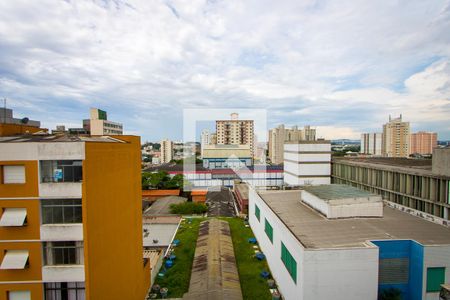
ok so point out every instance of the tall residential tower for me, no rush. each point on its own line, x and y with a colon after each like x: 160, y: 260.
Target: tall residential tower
x: 396, y: 138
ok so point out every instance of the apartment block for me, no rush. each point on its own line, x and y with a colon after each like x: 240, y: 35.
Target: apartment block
x: 371, y: 143
x: 307, y: 163
x: 167, y: 151
x: 71, y: 219
x: 98, y: 124
x: 205, y: 140
x: 236, y: 132
x: 396, y: 138
x: 423, y: 142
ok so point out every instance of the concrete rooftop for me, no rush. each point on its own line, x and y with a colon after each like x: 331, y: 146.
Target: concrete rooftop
x: 336, y: 191
x: 315, y: 231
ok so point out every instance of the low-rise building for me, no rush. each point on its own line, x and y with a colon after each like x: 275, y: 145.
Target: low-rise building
x: 409, y: 183
x: 352, y: 256
x: 227, y: 156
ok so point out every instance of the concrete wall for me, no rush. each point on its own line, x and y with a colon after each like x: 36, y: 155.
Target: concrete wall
x: 339, y: 274
x: 441, y: 161
x: 112, y: 221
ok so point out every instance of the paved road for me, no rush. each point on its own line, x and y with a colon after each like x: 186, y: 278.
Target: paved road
x: 220, y: 203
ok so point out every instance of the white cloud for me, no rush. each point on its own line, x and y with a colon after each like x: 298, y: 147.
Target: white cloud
x: 346, y: 64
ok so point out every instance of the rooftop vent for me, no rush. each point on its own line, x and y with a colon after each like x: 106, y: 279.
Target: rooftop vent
x: 337, y: 201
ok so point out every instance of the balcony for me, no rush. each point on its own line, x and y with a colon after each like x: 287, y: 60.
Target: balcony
x: 60, y: 178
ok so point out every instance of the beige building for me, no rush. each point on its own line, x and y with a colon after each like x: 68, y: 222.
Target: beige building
x: 98, y: 124
x: 235, y: 132
x: 227, y: 156
x: 371, y: 143
x: 166, y: 151
x: 280, y: 135
x: 423, y: 142
x: 396, y: 138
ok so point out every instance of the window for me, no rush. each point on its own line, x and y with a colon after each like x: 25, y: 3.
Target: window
x: 269, y: 231
x: 257, y: 212
x: 61, y: 171
x: 289, y: 262
x: 13, y: 174
x: 435, y: 277
x: 59, y: 211
x: 63, y: 253
x: 19, y: 295
x: 64, y: 290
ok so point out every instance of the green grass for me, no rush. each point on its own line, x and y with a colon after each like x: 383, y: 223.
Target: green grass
x: 177, y: 278
x: 252, y: 285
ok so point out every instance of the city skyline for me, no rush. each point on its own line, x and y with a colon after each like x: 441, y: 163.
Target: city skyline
x: 341, y: 67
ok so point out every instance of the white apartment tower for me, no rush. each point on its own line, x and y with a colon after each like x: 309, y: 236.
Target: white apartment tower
x: 236, y: 132
x: 205, y: 139
x: 371, y: 143
x: 166, y: 151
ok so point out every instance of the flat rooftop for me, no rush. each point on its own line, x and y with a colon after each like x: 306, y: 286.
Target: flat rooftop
x: 162, y: 205
x: 54, y: 138
x: 337, y: 191
x: 315, y: 231
x: 409, y: 165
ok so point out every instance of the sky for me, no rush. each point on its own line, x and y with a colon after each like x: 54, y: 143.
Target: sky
x: 341, y: 66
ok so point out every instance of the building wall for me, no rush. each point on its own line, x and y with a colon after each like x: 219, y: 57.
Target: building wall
x: 427, y: 193
x: 322, y: 274
x: 307, y: 163
x: 16, y: 129
x: 113, y: 250
x: 441, y: 162
x: 423, y: 142
x: 371, y: 143
x: 435, y: 256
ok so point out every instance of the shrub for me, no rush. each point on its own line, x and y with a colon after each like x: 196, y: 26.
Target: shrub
x: 188, y: 208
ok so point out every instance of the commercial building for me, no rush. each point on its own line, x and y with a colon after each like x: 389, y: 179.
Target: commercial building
x: 352, y: 257
x: 396, y: 138
x: 71, y: 219
x: 227, y: 156
x: 236, y: 132
x: 98, y: 124
x: 412, y: 184
x: 371, y: 143
x: 281, y: 135
x: 266, y: 176
x: 307, y: 163
x: 6, y: 117
x: 423, y: 142
x: 167, y: 151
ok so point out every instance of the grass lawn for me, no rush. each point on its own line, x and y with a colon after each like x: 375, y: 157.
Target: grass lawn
x: 177, y: 278
x: 252, y: 285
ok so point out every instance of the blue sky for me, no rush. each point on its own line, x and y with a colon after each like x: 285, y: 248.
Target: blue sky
x: 342, y: 66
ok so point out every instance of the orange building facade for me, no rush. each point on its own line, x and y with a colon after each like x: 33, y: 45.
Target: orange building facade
x: 423, y: 142
x: 70, y: 219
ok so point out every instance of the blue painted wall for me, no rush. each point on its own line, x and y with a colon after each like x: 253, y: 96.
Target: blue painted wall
x: 404, y: 249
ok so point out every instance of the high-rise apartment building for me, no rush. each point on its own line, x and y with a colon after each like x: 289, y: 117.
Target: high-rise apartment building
x: 236, y: 132
x: 371, y: 143
x: 205, y: 140
x: 280, y: 135
x: 71, y: 218
x: 396, y: 138
x: 423, y: 142
x: 99, y: 124
x: 166, y: 151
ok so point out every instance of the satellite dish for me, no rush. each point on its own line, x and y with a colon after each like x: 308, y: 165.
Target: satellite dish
x: 24, y: 120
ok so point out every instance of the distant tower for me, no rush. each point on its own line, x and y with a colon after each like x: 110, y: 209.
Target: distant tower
x: 396, y: 138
